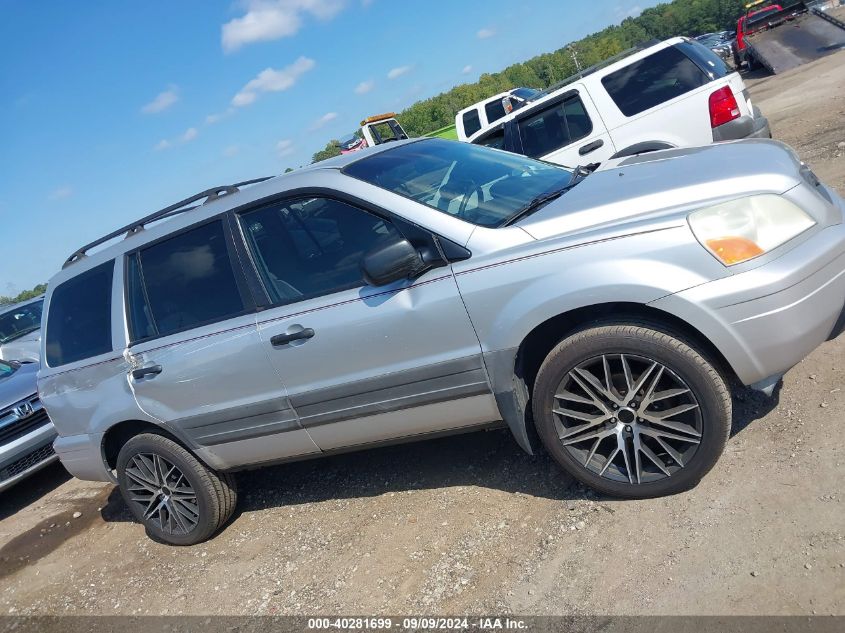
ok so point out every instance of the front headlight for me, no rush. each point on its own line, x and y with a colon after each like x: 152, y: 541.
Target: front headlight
x: 745, y: 228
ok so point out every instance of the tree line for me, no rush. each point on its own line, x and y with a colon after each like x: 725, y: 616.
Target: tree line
x: 680, y: 17
x: 40, y: 289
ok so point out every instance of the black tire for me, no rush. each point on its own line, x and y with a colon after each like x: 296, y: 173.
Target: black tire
x: 643, y: 344
x: 214, y: 494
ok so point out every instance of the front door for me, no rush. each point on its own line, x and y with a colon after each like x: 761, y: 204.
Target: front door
x: 361, y: 364
x: 566, y: 130
x: 196, y: 362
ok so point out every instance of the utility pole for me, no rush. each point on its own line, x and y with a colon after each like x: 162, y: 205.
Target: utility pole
x: 575, y: 59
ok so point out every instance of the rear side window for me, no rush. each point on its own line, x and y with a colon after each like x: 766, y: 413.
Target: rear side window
x: 183, y: 282
x: 494, y: 110
x: 553, y: 127
x: 494, y: 139
x: 79, y: 321
x: 471, y: 122
x: 713, y: 65
x: 653, y: 80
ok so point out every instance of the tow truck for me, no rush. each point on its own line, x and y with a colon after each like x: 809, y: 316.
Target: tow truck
x: 375, y: 130
x: 783, y: 35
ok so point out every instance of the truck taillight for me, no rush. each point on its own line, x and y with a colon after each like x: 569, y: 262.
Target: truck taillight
x: 723, y: 107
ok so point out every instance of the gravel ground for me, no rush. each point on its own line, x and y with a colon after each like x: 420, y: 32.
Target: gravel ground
x: 470, y: 524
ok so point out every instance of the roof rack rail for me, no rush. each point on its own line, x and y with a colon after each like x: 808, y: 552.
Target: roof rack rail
x: 203, y: 197
x: 591, y: 69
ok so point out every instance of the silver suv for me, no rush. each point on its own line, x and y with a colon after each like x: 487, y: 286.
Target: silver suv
x: 428, y: 286
x: 20, y: 330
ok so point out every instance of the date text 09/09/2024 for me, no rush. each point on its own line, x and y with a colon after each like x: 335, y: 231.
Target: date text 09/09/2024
x: 417, y: 623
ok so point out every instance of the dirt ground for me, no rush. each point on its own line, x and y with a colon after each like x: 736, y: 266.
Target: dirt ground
x: 470, y: 524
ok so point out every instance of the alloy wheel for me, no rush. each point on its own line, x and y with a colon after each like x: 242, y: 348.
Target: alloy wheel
x: 163, y: 493
x: 627, y: 418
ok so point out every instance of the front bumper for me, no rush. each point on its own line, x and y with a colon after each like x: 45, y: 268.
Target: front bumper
x: 82, y: 456
x: 767, y: 319
x: 26, y: 455
x: 743, y: 127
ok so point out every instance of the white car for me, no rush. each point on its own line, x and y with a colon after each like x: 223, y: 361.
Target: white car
x: 20, y: 330
x: 483, y: 114
x: 677, y: 93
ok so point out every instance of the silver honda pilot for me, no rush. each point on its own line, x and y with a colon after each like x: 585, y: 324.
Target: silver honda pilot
x: 429, y: 286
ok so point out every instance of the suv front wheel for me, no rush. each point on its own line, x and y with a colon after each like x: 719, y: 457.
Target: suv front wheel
x: 630, y: 411
x: 178, y: 499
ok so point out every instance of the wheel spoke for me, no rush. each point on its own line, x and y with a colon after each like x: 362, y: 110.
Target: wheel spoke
x: 580, y: 415
x: 671, y: 424
x: 645, y: 450
x: 566, y: 395
x: 601, y: 434
x: 660, y: 433
x: 675, y: 455
x: 589, y: 383
x: 623, y: 446
x: 609, y: 460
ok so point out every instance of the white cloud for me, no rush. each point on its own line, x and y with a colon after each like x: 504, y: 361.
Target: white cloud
x: 216, y: 117
x: 189, y: 135
x: 398, y: 72
x: 267, y: 20
x: 285, y: 147
x: 364, y: 87
x: 61, y: 193
x: 232, y: 150
x: 162, y: 101
x: 162, y: 144
x: 483, y: 34
x: 466, y: 70
x: 271, y: 80
x: 323, y: 120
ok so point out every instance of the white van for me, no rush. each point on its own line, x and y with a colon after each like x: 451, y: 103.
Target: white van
x: 676, y: 93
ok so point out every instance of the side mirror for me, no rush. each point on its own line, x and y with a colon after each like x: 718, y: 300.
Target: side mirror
x: 391, y: 261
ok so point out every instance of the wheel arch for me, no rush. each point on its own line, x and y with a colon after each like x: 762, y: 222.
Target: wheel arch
x: 118, y: 434
x: 514, y: 371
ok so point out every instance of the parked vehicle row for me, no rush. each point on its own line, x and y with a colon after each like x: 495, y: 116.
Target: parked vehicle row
x: 673, y: 94
x: 424, y: 287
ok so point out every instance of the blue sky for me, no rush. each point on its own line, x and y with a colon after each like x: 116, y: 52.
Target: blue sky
x: 110, y: 110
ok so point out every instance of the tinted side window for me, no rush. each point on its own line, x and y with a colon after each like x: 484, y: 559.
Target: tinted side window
x: 495, y: 139
x: 710, y: 62
x: 494, y: 110
x: 188, y: 281
x: 79, y: 321
x: 555, y: 126
x: 471, y: 122
x: 20, y: 321
x: 653, y: 80
x: 311, y: 247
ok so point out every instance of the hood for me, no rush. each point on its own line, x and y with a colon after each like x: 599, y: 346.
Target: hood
x: 637, y: 188
x: 18, y: 386
x: 27, y: 347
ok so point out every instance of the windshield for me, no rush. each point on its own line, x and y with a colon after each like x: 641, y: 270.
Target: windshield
x: 7, y: 369
x: 474, y: 183
x: 20, y: 321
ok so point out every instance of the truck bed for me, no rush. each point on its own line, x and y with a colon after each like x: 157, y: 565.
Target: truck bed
x: 804, y: 39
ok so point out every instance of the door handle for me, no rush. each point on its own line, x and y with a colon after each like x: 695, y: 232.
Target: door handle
x: 283, y: 339
x: 152, y: 370
x: 590, y: 147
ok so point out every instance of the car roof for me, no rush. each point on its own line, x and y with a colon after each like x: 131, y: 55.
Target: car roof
x: 133, y: 236
x: 8, y: 307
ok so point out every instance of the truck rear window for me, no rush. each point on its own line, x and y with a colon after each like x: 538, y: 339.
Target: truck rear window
x: 471, y: 122
x: 653, y: 80
x: 79, y: 320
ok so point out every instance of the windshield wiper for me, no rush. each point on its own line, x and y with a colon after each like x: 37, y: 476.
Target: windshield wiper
x: 543, y: 199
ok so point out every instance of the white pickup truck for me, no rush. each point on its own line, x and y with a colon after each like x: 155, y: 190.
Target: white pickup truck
x: 676, y: 93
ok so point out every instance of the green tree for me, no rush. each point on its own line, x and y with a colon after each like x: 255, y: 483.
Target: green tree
x: 40, y: 289
x: 331, y: 149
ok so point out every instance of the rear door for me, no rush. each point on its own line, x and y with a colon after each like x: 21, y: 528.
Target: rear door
x: 196, y: 362
x: 566, y: 130
x: 362, y: 364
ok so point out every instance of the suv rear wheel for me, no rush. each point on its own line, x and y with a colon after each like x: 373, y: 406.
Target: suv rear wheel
x: 178, y: 499
x: 630, y: 411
